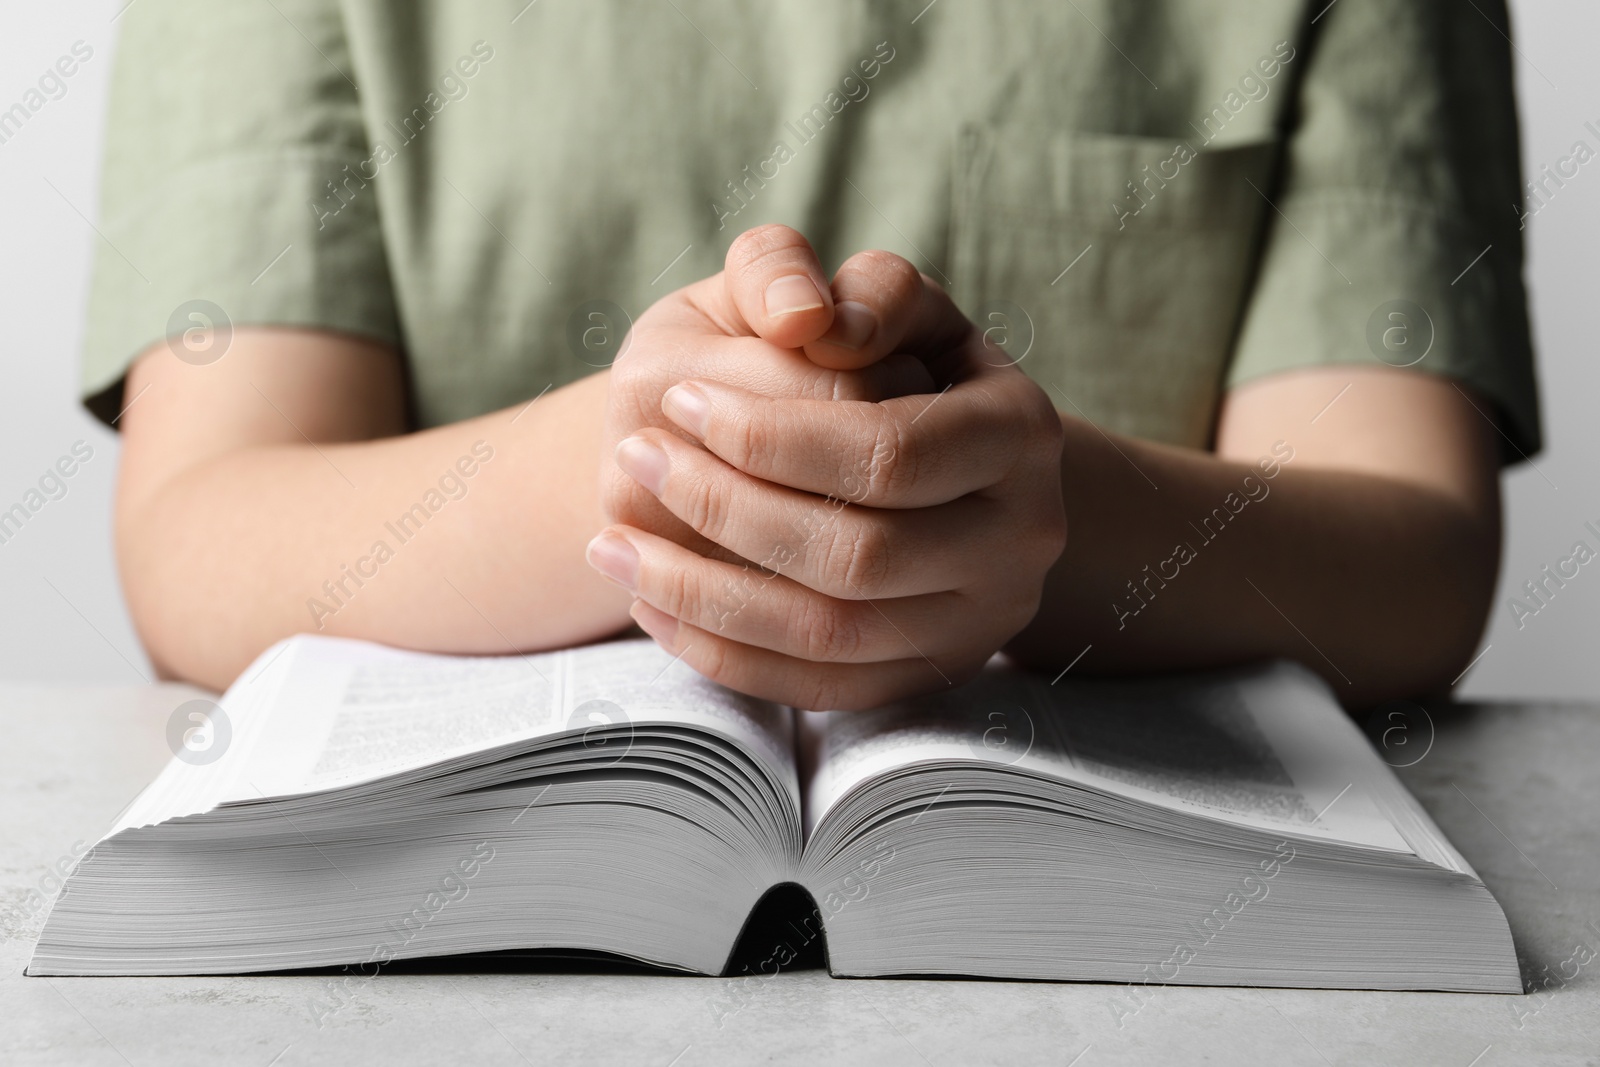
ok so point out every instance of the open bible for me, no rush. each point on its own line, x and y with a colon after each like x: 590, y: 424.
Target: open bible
x: 350, y: 804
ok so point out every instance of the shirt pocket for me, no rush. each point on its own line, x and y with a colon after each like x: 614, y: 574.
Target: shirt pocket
x: 1113, y: 269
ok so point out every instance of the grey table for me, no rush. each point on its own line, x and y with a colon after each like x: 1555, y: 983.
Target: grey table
x: 1516, y: 788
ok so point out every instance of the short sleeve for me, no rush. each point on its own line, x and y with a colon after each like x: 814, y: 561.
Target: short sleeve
x: 225, y: 184
x: 1397, y: 235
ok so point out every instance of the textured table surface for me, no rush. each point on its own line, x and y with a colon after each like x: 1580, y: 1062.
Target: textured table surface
x: 1516, y: 788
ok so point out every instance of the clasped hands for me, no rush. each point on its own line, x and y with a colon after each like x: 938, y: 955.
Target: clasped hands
x: 827, y: 495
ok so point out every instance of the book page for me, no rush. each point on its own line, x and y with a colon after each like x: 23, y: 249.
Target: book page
x: 320, y: 713
x: 402, y: 712
x: 643, y: 683
x: 1206, y: 745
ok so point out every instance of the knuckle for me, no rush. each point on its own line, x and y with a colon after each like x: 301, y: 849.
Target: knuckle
x: 736, y: 592
x: 713, y: 661
x: 900, y: 277
x: 827, y: 632
x: 706, y: 509
x: 887, y: 270
x: 681, y: 594
x: 751, y: 444
x: 858, y: 555
x: 1044, y: 422
x: 756, y: 247
x: 891, y: 470
x: 1051, y: 433
x: 1025, y: 424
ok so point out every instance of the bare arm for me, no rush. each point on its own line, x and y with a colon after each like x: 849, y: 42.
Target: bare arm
x: 276, y: 490
x: 255, y: 492
x: 1370, y: 555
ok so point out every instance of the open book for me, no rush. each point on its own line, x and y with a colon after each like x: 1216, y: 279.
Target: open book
x: 353, y: 804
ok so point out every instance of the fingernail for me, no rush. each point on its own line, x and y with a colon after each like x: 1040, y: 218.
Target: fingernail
x: 687, y: 406
x: 792, y: 293
x: 615, y: 557
x: 658, y: 624
x: 853, y: 324
x: 644, y: 462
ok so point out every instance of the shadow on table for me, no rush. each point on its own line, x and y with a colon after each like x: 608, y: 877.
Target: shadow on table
x: 783, y: 933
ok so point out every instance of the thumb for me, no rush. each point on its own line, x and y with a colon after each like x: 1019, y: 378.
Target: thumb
x: 777, y: 286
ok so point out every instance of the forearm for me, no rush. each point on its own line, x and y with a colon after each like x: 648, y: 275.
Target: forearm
x: 391, y: 540
x: 1175, y: 561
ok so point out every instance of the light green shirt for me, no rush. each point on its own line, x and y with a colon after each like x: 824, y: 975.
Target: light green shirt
x: 1146, y: 202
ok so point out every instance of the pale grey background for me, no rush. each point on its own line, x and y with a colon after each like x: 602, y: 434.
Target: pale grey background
x: 61, y: 615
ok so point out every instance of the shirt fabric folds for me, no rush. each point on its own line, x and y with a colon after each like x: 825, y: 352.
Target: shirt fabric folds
x: 1146, y: 201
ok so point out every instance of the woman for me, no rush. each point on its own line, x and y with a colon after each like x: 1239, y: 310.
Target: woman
x: 1158, y: 335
